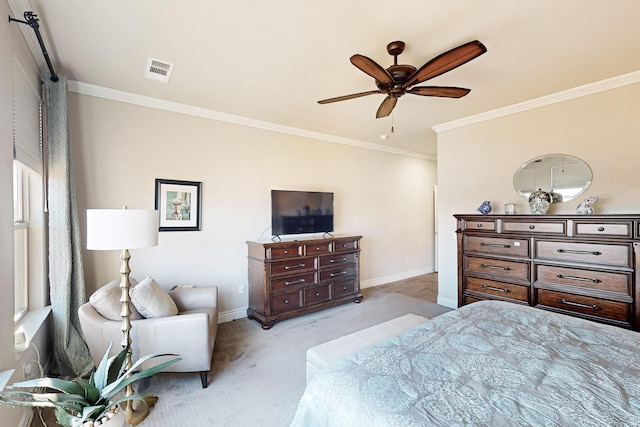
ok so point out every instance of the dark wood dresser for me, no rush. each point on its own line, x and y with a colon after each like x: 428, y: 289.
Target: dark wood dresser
x: 581, y: 265
x: 288, y: 279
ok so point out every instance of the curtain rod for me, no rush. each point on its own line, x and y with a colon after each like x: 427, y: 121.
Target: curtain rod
x: 31, y: 19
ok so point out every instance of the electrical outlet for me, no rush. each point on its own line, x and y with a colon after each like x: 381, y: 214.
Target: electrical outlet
x: 241, y: 289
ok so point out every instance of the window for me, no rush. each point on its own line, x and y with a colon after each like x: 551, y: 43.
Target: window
x: 20, y: 243
x: 30, y: 285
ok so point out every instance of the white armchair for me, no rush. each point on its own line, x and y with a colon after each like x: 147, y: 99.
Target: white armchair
x: 190, y: 334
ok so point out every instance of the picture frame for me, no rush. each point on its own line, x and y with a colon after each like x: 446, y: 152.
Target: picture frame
x: 179, y: 205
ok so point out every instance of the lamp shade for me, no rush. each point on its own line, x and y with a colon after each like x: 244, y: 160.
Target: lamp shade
x: 119, y: 229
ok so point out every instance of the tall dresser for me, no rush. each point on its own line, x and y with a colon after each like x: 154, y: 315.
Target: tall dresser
x: 288, y: 279
x: 581, y: 265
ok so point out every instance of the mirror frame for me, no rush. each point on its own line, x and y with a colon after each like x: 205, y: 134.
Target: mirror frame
x: 568, y: 186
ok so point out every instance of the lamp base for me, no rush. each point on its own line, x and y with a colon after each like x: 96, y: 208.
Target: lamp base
x: 135, y: 413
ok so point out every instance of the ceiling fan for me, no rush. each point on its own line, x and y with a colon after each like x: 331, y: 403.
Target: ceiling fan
x: 397, y: 80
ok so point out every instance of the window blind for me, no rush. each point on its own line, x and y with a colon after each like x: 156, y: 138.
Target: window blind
x: 27, y: 120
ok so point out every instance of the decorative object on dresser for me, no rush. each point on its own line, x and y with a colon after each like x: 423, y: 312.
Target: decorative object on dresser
x: 485, y: 207
x: 510, y: 208
x: 571, y: 264
x: 540, y: 202
x: 289, y: 279
x: 585, y: 207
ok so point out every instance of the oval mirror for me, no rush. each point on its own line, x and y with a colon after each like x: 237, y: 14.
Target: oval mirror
x: 566, y: 177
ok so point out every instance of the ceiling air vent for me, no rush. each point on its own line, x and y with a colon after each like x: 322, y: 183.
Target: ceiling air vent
x: 158, y: 70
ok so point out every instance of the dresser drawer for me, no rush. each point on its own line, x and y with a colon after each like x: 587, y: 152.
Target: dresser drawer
x: 285, y: 302
x: 343, y: 288
x: 292, y: 266
x: 335, y: 260
x: 498, y: 267
x: 555, y: 227
x: 318, y: 248
x: 601, y: 308
x: 345, y: 245
x: 316, y: 295
x: 499, y: 289
x: 293, y: 281
x: 497, y: 246
x: 603, y: 229
x: 596, y: 280
x: 619, y: 255
x: 479, y: 225
x: 338, y: 273
x: 281, y: 252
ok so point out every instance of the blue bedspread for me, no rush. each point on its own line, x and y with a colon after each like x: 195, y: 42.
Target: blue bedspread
x: 488, y: 364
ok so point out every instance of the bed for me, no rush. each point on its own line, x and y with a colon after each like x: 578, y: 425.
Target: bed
x: 489, y: 363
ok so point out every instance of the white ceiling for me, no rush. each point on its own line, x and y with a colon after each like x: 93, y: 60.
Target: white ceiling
x: 272, y: 60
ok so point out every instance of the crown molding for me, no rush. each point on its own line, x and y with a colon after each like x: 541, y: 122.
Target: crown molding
x: 554, y: 98
x: 175, y: 107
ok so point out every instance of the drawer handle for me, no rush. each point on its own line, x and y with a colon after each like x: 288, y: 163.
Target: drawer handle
x: 495, y: 245
x: 317, y: 294
x: 491, y: 288
x: 294, y: 282
x: 479, y: 225
x: 337, y: 274
x: 600, y: 228
x: 580, y: 279
x: 569, y: 251
x: 286, y: 301
x: 337, y: 260
x: 289, y: 267
x: 496, y: 267
x: 532, y: 227
x: 344, y: 288
x: 577, y: 304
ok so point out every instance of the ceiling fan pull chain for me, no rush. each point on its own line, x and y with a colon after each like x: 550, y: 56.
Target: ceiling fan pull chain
x: 391, y: 122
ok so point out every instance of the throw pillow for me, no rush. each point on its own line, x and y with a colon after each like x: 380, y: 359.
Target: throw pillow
x: 106, y: 301
x: 152, y: 300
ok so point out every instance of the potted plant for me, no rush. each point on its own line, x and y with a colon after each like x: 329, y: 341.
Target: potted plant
x: 88, y: 403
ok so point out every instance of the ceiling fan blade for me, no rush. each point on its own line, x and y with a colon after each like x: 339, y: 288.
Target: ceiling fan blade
x: 386, y: 107
x: 442, y: 91
x: 372, y: 68
x: 345, y: 97
x: 446, y: 62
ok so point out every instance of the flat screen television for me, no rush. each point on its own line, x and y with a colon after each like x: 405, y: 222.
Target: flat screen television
x: 300, y: 212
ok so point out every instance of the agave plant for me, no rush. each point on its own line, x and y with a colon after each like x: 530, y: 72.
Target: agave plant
x: 79, y: 401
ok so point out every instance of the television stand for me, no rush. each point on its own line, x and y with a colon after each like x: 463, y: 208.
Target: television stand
x: 290, y: 279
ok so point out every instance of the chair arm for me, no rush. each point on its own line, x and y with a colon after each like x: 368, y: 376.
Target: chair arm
x: 188, y: 335
x: 190, y: 298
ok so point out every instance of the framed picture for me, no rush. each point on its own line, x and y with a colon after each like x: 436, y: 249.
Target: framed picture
x: 178, y: 204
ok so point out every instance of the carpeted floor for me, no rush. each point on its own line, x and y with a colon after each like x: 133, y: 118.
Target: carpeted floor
x: 258, y: 376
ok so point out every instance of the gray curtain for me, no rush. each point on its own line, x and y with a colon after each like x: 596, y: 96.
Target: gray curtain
x: 66, y: 274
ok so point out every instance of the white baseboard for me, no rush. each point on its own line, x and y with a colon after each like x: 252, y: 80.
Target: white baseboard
x: 231, y: 315
x: 395, y: 277
x: 448, y: 302
x: 241, y: 313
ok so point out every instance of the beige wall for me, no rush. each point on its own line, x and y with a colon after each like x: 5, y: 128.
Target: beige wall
x: 477, y: 162
x: 119, y: 150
